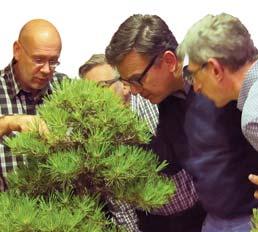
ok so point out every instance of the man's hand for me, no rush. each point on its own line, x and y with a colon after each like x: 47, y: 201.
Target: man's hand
x: 21, y: 123
x: 254, y: 179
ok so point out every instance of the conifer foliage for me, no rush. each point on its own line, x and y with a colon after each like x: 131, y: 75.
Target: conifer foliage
x: 91, y: 153
x: 255, y: 221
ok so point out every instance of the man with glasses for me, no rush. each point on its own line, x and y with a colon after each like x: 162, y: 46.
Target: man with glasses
x: 24, y: 83
x: 228, y: 68
x: 206, y: 141
x: 143, y: 52
x: 96, y: 69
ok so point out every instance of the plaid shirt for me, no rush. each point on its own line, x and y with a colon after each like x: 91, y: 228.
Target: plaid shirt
x: 124, y: 214
x: 248, y: 104
x: 185, y: 196
x: 14, y: 100
x: 146, y: 111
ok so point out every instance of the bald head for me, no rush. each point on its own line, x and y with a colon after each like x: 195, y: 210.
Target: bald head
x: 40, y: 31
x: 36, y: 52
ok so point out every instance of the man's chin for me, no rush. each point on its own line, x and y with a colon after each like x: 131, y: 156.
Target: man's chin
x: 39, y: 86
x: 221, y: 103
x: 154, y: 100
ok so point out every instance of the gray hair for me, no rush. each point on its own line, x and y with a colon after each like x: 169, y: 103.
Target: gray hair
x: 147, y: 34
x: 223, y: 37
x: 95, y: 60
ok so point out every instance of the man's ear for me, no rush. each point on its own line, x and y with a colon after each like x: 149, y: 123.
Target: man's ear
x: 170, y: 60
x: 16, y: 50
x: 216, y: 68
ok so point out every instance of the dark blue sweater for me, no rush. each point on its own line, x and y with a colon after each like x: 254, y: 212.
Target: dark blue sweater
x: 208, y: 143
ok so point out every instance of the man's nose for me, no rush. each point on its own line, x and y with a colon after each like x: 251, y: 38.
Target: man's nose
x: 46, y: 68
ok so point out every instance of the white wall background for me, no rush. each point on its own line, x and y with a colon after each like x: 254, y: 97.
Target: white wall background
x: 86, y: 26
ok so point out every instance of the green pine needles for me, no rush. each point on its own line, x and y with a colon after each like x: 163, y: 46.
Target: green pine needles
x: 91, y: 154
x: 255, y: 221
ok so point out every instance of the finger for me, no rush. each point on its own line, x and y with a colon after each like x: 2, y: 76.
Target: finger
x: 43, y: 129
x: 253, y: 178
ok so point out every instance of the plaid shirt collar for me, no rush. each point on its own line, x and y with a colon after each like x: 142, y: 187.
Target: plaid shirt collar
x: 14, y: 87
x: 249, y: 80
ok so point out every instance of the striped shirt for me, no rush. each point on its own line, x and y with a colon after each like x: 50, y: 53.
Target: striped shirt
x: 248, y: 104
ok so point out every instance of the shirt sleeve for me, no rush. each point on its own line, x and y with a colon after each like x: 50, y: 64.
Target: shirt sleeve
x: 123, y: 214
x: 249, y: 120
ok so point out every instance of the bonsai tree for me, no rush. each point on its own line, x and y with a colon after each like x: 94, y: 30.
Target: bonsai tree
x: 91, y: 153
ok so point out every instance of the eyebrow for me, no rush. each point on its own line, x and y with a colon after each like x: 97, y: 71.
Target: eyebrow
x: 40, y: 56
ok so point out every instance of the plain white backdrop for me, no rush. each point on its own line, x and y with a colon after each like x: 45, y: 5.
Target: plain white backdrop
x: 86, y: 27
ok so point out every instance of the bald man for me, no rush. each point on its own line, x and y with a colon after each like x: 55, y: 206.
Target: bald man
x: 25, y: 81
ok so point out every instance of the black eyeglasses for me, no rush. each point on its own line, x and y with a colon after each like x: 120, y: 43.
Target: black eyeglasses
x: 40, y: 62
x: 137, y: 81
x: 189, y: 75
x: 108, y: 83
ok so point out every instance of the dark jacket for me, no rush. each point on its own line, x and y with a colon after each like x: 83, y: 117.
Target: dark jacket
x: 208, y: 143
